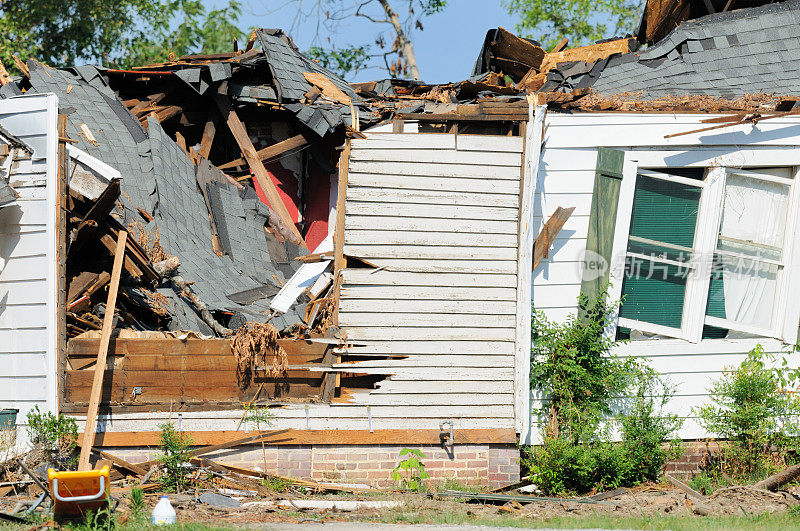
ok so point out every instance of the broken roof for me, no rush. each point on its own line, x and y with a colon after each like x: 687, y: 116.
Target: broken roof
x: 161, y: 179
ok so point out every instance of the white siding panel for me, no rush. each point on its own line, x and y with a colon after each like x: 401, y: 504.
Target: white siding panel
x: 451, y: 184
x: 24, y: 267
x: 22, y: 315
x: 437, y: 170
x: 390, y: 195
x: 394, y: 237
x: 424, y: 320
x: 437, y: 156
x: 372, y: 277
x: 425, y: 306
x: 438, y: 216
x: 406, y: 223
x: 431, y: 210
x: 443, y: 265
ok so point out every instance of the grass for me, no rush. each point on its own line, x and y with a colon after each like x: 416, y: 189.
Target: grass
x: 676, y: 523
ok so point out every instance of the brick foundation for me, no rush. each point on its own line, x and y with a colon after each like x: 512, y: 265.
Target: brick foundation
x: 693, y: 455
x: 491, y: 465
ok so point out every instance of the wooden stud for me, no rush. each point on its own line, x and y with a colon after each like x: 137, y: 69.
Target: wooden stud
x: 339, y: 260
x: 272, y: 151
x: 250, y: 41
x: 209, y: 131
x: 61, y: 256
x: 239, y: 132
x: 105, y: 337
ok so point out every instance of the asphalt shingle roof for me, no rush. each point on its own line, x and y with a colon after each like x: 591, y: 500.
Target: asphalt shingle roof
x: 725, y: 54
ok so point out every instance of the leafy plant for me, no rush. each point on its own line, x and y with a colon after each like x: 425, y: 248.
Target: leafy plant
x: 174, y: 458
x: 581, y: 21
x: 410, y: 472
x: 276, y: 484
x: 53, y: 433
x: 136, y: 498
x: 582, y: 386
x: 751, y: 409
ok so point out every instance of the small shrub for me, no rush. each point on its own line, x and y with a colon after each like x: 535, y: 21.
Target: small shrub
x: 174, y: 458
x: 750, y: 409
x: 571, y: 367
x: 56, y: 434
x: 410, y: 472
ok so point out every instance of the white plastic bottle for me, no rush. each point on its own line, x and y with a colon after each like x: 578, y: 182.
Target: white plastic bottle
x: 163, y: 513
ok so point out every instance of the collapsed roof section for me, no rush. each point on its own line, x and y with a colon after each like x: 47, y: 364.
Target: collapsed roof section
x: 160, y: 193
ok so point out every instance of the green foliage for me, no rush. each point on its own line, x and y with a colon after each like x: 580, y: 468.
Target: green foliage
x: 56, y: 433
x: 385, y: 52
x: 751, y: 409
x: 121, y: 33
x: 580, y: 21
x: 174, y: 458
x: 704, y: 483
x: 99, y: 520
x: 136, y: 498
x: 183, y: 27
x: 343, y: 61
x: 410, y: 472
x: 276, y: 484
x: 571, y: 367
x: 262, y: 417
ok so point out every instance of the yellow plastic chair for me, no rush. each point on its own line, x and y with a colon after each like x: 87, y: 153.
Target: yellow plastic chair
x: 76, y: 493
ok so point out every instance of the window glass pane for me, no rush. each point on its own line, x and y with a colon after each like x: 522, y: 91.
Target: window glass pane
x: 665, y: 211
x: 754, y: 216
x: 653, y: 292
x: 742, y: 290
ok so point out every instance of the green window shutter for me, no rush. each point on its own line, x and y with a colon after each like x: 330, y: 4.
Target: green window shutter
x: 602, y: 220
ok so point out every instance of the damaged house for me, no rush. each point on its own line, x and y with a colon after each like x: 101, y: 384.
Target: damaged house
x: 362, y: 259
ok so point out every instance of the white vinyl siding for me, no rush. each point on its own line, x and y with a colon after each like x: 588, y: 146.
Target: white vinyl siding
x: 28, y: 274
x: 566, y: 177
x: 438, y: 215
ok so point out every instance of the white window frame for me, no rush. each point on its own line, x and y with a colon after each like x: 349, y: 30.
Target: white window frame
x: 718, y: 163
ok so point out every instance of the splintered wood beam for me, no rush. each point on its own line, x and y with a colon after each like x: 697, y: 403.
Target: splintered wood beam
x: 105, y: 338
x: 549, y: 232
x: 250, y: 41
x: 239, y: 133
x: 560, y: 46
x: 208, y: 134
x: 22, y: 66
x: 272, y: 151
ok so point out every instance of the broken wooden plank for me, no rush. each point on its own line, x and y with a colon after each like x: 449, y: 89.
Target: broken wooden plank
x: 272, y: 151
x: 560, y: 45
x: 700, y: 502
x: 549, y: 232
x: 105, y: 337
x: 209, y: 131
x: 239, y: 132
x: 327, y: 87
x: 590, y: 54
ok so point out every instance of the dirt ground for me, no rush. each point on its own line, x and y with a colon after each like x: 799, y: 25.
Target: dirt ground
x: 645, y: 501
x: 649, y: 500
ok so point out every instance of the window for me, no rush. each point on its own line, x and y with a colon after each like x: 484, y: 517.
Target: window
x: 705, y: 252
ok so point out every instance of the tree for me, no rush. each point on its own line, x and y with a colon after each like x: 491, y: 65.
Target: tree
x: 397, y: 54
x: 114, y: 32
x: 580, y: 21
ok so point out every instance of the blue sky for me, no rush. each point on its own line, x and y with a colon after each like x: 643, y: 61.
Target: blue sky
x: 446, y: 49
